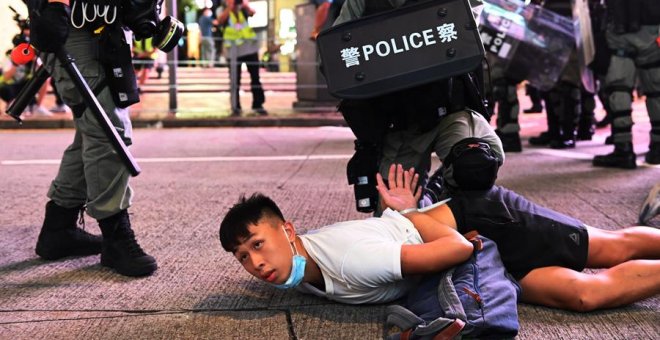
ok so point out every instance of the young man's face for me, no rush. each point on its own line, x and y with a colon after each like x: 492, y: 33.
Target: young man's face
x: 266, y: 253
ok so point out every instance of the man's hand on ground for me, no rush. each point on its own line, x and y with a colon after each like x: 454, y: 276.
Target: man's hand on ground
x: 402, y: 192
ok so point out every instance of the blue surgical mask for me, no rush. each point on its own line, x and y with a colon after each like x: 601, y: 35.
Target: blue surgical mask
x: 297, y: 268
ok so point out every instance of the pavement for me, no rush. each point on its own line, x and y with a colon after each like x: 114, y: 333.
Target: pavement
x: 191, y: 176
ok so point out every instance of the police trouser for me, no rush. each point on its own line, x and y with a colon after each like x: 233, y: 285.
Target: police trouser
x: 587, y: 115
x: 91, y: 171
x: 505, y: 95
x: 563, y: 102
x: 633, y: 52
x: 413, y: 148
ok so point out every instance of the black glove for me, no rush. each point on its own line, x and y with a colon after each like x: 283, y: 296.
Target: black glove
x: 49, y: 26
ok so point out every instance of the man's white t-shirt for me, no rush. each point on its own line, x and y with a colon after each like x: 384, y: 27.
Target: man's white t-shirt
x: 361, y: 260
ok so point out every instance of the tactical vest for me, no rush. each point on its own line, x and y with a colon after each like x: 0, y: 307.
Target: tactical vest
x: 237, y: 29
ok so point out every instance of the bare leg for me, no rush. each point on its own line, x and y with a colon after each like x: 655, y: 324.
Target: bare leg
x: 610, y: 248
x: 41, y: 95
x: 568, y: 289
x: 144, y: 73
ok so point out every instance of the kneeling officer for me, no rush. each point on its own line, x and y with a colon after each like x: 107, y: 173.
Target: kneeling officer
x: 91, y: 176
x: 405, y: 126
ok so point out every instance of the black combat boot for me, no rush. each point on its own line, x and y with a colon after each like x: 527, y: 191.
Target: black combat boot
x: 587, y: 121
x: 566, y: 139
x: 552, y: 120
x: 653, y: 156
x: 570, y: 113
x: 510, y: 141
x: 120, y: 249
x: 60, y: 236
x: 543, y: 139
x: 564, y: 143
x: 623, y: 157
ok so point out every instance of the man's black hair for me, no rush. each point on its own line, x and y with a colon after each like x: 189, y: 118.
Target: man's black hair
x: 247, y: 212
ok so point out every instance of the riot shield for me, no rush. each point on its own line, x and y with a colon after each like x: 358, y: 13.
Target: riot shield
x: 584, y: 42
x: 533, y: 43
x: 400, y: 49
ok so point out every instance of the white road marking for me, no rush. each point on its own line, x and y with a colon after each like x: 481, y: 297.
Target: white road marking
x: 196, y: 159
x: 564, y: 154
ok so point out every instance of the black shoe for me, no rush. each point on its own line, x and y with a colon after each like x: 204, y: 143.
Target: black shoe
x: 653, y: 156
x: 609, y: 140
x: 604, y: 122
x: 236, y: 112
x: 120, y: 249
x: 534, y: 109
x: 562, y: 144
x: 622, y: 157
x: 510, y: 141
x: 586, y: 133
x: 260, y: 111
x: 542, y: 139
x: 60, y: 236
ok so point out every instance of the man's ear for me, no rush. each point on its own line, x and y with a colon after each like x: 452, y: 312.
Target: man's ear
x: 290, y: 231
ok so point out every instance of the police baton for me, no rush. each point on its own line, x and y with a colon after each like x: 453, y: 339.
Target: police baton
x: 32, y: 87
x: 93, y: 104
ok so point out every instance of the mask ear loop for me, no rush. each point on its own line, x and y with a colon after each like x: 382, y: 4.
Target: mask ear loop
x: 291, y: 245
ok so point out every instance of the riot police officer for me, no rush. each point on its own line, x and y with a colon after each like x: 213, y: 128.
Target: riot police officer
x: 633, y: 35
x: 505, y: 95
x: 91, y: 176
x: 408, y: 125
x: 562, y: 102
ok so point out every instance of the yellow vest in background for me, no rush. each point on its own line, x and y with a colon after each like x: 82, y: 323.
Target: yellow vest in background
x: 238, y: 30
x: 144, y: 45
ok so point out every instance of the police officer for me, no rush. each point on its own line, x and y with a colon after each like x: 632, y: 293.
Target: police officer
x: 562, y: 102
x: 409, y: 125
x: 505, y: 95
x: 91, y: 176
x: 634, y: 37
